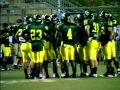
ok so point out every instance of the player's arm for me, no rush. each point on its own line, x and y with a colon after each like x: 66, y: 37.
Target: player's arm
x: 59, y: 37
x: 115, y: 28
x: 18, y: 34
x: 21, y: 34
x: 87, y: 27
x: 110, y: 33
x: 45, y: 36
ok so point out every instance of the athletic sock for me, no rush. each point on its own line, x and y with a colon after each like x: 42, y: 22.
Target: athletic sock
x: 92, y: 71
x: 62, y: 69
x: 84, y: 67
x: 26, y: 74
x: 37, y: 70
x: 5, y: 65
x: 112, y: 71
x: 73, y: 68
x: 45, y: 64
x: 55, y: 67
x: 116, y: 64
x: 66, y: 68
x: 95, y: 70
x: 32, y: 73
x: 108, y: 71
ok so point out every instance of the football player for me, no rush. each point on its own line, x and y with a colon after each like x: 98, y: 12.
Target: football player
x: 16, y: 55
x: 49, y: 45
x: 106, y: 29
x: 36, y: 34
x: 25, y: 46
x: 5, y: 45
x: 68, y: 31
x: 93, y: 45
x: 84, y: 23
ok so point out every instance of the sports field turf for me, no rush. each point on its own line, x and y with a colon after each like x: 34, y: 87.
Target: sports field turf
x: 14, y: 80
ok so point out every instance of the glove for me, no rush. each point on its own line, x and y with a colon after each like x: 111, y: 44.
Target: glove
x: 21, y: 39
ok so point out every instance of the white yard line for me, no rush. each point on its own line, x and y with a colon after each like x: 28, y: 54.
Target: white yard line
x: 23, y: 81
x: 37, y: 80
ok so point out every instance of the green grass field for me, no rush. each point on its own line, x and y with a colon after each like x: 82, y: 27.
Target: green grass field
x: 14, y: 80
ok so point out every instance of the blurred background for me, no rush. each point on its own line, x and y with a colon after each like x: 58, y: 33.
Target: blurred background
x: 11, y: 10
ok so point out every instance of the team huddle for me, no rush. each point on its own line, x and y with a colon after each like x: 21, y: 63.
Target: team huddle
x: 75, y: 38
